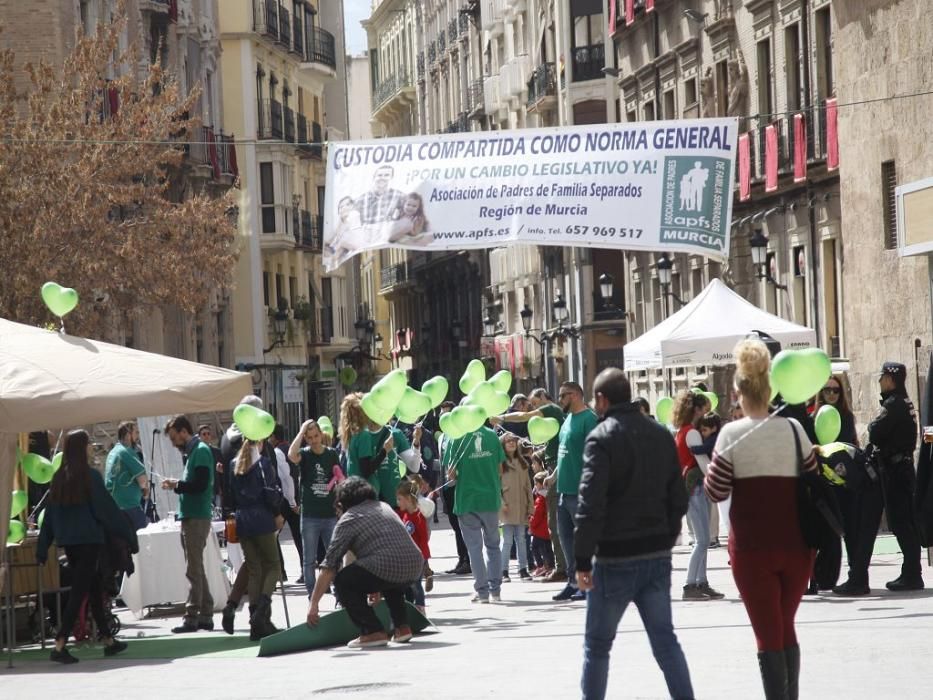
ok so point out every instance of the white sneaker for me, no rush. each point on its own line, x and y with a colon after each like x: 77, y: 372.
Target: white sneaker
x: 358, y: 643
x: 496, y: 597
x: 477, y: 598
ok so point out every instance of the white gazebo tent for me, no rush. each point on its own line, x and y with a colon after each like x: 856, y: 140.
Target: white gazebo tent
x: 705, y: 331
x: 51, y: 380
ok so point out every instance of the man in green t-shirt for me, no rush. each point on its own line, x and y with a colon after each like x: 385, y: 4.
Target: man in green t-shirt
x: 195, y: 507
x: 475, y: 461
x: 543, y: 406
x: 125, y: 476
x: 577, y: 425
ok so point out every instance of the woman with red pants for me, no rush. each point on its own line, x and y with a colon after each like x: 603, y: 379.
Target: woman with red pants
x: 756, y: 460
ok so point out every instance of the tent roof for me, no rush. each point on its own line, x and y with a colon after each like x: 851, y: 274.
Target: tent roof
x: 706, y: 330
x: 51, y: 380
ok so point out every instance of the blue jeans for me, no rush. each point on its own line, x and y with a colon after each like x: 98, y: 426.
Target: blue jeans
x: 482, y: 530
x: 311, y: 530
x: 566, y: 521
x: 698, y: 515
x: 647, y: 583
x: 137, y: 516
x: 514, y: 533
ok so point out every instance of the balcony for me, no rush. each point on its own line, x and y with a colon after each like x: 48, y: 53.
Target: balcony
x: 392, y: 276
x: 266, y: 18
x: 420, y: 66
x: 289, y: 125
x: 163, y: 7
x: 452, y: 32
x: 460, y: 125
x: 464, y: 21
x: 309, y: 231
x: 270, y: 120
x: 303, y: 145
x: 491, y: 96
x: 227, y: 152
x: 477, y: 99
x: 588, y: 62
x: 395, y: 88
x: 277, y: 224
x: 327, y: 325
x: 441, y: 44
x: 319, y: 51
x: 285, y: 28
x: 432, y: 52
x: 518, y: 70
x: 317, y: 141
x: 542, y: 88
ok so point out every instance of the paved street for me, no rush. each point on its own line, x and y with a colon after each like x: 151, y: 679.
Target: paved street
x: 864, y: 648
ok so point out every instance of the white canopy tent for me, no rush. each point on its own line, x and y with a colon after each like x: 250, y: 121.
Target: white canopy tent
x: 50, y: 380
x: 706, y: 330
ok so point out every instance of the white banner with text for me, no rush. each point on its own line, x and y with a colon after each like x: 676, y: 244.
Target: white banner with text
x: 654, y: 186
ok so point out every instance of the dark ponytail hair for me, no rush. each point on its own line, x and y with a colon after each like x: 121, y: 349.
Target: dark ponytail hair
x: 71, y: 484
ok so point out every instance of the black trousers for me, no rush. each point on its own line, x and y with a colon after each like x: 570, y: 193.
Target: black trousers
x: 462, y: 554
x: 83, y: 561
x: 861, y: 511
x: 899, y: 482
x: 353, y: 584
x: 294, y: 525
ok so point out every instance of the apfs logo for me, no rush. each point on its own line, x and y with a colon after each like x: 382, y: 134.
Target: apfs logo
x: 695, y: 199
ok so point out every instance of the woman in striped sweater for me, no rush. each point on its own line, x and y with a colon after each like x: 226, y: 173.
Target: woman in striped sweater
x: 756, y: 461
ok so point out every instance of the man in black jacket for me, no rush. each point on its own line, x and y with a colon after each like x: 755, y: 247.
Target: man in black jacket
x: 630, y: 507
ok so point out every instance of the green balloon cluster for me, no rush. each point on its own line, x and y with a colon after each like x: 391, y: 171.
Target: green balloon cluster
x: 60, y: 300
x: 541, y: 430
x: 474, y: 374
x: 502, y: 381
x: 18, y: 502
x: 38, y: 468
x: 413, y: 406
x: 254, y: 423
x: 436, y: 388
x: 381, y: 402
x: 449, y: 426
x: 16, y: 533
x: 827, y: 424
x: 798, y: 375
x: 664, y: 410
x: 326, y: 426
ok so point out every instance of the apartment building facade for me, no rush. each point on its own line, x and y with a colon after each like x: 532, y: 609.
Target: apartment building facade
x: 293, y: 320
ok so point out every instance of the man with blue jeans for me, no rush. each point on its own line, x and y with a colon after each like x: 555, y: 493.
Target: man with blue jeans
x: 474, y: 462
x: 630, y: 506
x: 579, y: 421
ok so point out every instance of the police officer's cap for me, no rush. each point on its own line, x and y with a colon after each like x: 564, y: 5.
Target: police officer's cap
x: 896, y: 370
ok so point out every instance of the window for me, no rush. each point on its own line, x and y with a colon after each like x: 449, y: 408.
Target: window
x: 631, y: 116
x: 690, y: 92
x: 649, y: 111
x: 266, y: 292
x: 792, y: 65
x: 888, y: 184
x: 824, y: 53
x: 279, y: 290
x: 799, y: 287
x: 669, y: 109
x: 722, y: 87
x: 639, y: 308
x: 292, y: 291
x: 587, y: 46
x: 765, y: 103
x: 267, y: 197
x: 833, y: 307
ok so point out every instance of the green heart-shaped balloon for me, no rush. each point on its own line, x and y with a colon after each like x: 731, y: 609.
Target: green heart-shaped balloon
x: 436, y: 388
x: 474, y: 374
x: 60, y: 300
x: 377, y: 413
x: 325, y: 425
x: 502, y: 380
x: 57, y: 460
x: 19, y: 502
x: 385, y: 397
x: 347, y: 376
x: 798, y: 375
x: 413, y: 404
x: 483, y: 395
x: 38, y: 468
x: 469, y: 417
x: 449, y: 427
x: 712, y: 398
x: 541, y: 430
x: 254, y: 423
x: 827, y: 424
x: 664, y: 409
x: 500, y: 403
x: 17, y: 532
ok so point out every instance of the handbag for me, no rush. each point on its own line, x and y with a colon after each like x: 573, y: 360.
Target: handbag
x: 817, y: 510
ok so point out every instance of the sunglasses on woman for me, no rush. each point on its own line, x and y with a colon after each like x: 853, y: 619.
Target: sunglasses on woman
x: 830, y: 390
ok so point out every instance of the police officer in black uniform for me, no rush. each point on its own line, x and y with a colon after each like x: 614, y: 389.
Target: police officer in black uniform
x: 893, y: 435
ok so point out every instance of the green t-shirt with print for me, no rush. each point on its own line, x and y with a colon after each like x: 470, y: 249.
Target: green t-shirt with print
x: 479, y: 487
x: 572, y: 437
x: 315, y: 473
x: 551, y: 410
x: 367, y: 444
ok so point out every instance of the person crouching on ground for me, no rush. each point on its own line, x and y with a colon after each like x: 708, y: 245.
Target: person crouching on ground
x: 387, y: 563
x: 257, y: 500
x: 417, y: 526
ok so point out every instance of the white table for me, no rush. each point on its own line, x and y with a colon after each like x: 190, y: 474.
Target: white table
x: 160, y: 569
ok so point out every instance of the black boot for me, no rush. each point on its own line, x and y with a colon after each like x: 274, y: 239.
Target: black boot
x: 792, y: 659
x: 773, y: 669
x: 259, y: 619
x: 255, y: 625
x: 269, y: 628
x: 227, y: 616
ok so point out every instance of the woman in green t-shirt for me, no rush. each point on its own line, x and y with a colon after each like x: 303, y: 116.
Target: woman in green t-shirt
x: 319, y: 472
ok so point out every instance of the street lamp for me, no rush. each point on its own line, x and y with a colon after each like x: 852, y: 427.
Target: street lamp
x: 759, y: 246
x: 364, y: 328
x: 606, y: 284
x: 560, y: 311
x: 489, y: 326
x: 665, y: 272
x: 279, y: 329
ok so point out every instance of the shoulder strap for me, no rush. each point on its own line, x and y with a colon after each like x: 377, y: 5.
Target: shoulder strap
x: 796, y: 446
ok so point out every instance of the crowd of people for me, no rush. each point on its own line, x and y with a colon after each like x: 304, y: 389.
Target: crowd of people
x: 598, y: 509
